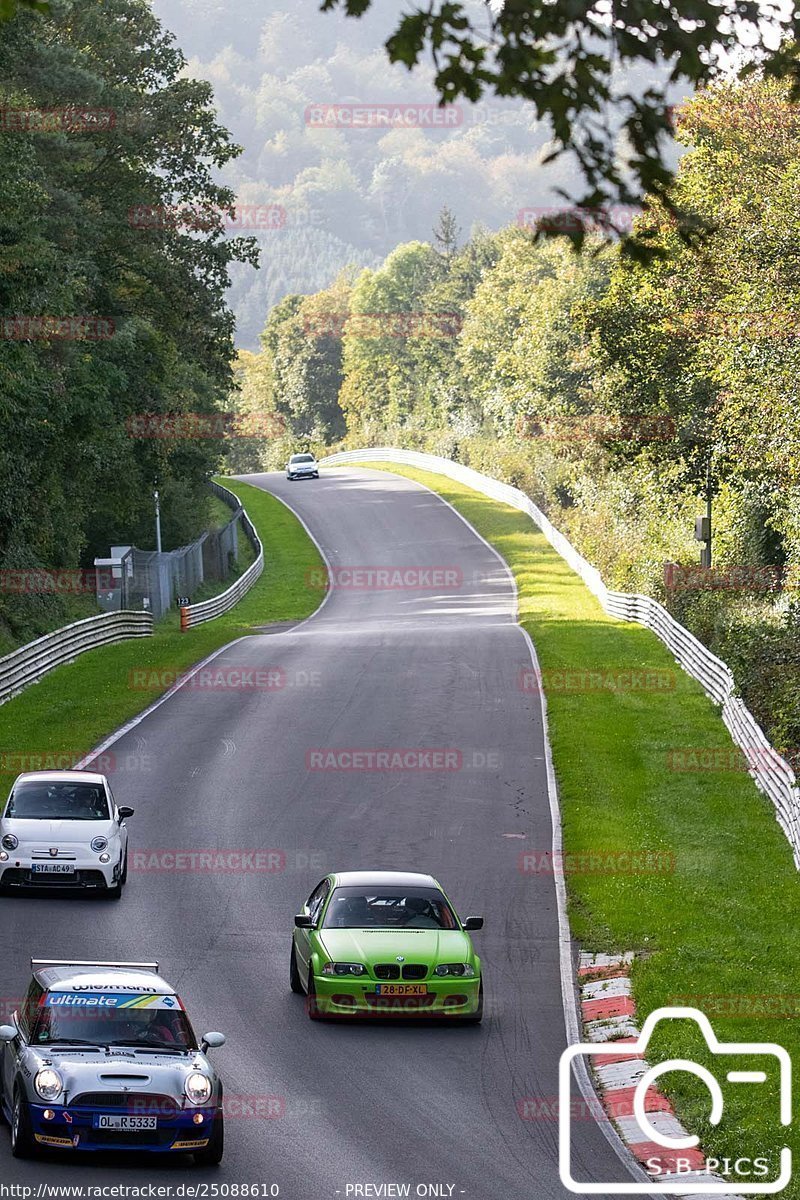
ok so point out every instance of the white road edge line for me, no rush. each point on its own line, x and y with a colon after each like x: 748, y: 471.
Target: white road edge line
x: 569, y: 994
x: 184, y: 679
x: 296, y: 515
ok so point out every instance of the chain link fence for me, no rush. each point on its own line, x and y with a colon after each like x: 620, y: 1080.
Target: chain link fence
x: 154, y: 581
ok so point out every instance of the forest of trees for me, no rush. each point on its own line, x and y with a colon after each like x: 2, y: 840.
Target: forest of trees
x: 351, y: 195
x: 104, y: 321
x: 608, y: 389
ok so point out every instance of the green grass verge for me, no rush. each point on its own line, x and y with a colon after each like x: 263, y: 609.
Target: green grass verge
x: 70, y: 710
x: 716, y: 931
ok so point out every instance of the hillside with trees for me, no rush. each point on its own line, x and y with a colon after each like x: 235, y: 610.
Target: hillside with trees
x: 610, y: 390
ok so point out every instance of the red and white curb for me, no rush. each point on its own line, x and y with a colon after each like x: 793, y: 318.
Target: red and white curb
x: 609, y: 1011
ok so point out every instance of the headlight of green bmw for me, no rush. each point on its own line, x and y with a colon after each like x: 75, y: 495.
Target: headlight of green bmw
x: 48, y: 1083
x: 462, y: 969
x: 335, y: 968
x: 197, y: 1087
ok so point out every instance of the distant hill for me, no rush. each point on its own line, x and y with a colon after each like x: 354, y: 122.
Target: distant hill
x: 289, y: 82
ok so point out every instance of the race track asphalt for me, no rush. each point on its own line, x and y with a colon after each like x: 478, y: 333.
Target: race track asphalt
x: 398, y: 667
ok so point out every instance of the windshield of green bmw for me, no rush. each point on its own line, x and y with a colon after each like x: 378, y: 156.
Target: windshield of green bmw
x: 389, y: 908
x: 113, y: 1018
x: 44, y: 801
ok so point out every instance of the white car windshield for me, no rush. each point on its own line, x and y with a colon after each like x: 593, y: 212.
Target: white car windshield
x: 45, y: 801
x: 302, y: 458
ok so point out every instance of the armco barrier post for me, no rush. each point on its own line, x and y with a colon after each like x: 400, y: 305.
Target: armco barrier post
x: 184, y: 618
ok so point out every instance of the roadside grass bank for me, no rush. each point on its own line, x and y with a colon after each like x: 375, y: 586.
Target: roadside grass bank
x: 70, y: 710
x: 713, y: 919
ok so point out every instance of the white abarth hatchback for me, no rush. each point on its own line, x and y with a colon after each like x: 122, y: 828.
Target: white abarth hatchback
x: 63, y: 829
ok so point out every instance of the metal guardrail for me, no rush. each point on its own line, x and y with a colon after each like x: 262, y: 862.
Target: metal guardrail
x: 207, y: 610
x: 30, y: 662
x: 771, y: 772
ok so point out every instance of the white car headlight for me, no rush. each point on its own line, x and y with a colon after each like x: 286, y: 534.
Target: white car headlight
x: 48, y: 1084
x: 10, y: 842
x: 197, y: 1087
x: 99, y: 843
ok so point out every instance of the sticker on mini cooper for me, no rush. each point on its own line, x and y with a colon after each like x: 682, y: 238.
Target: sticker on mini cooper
x: 110, y: 1000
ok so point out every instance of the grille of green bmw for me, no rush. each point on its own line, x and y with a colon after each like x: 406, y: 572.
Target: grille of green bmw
x: 392, y: 971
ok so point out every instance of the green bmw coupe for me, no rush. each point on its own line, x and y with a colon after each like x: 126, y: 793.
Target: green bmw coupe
x: 385, y: 942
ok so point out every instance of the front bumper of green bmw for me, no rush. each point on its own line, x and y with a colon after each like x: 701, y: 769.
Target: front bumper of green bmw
x: 349, y: 995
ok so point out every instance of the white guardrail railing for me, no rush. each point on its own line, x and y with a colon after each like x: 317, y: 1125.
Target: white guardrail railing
x: 28, y: 664
x: 771, y: 772
x: 207, y: 610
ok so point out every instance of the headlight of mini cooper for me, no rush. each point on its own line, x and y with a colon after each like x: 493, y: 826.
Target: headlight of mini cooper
x: 99, y: 844
x: 48, y: 1084
x: 10, y: 842
x: 462, y: 969
x: 198, y: 1087
x: 334, y: 968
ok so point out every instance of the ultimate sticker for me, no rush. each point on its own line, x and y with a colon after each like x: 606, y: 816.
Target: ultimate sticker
x: 109, y: 1000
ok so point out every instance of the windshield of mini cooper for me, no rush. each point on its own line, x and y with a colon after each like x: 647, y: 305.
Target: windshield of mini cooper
x: 113, y: 1018
x: 43, y: 801
x: 302, y: 458
x: 389, y: 908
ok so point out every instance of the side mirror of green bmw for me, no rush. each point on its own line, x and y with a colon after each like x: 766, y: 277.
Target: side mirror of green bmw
x: 303, y: 921
x: 472, y: 923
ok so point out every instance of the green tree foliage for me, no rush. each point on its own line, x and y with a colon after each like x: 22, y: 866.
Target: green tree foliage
x: 132, y: 134
x: 605, y: 387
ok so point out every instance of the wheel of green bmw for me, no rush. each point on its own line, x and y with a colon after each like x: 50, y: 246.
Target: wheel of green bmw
x: 311, y: 1002
x: 21, y: 1134
x: 294, y: 975
x: 476, y: 1017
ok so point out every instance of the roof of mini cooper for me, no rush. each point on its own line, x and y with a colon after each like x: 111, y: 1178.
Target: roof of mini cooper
x: 101, y: 977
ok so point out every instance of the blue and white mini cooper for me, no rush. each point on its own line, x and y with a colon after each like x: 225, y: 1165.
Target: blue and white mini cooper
x: 102, y: 1056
